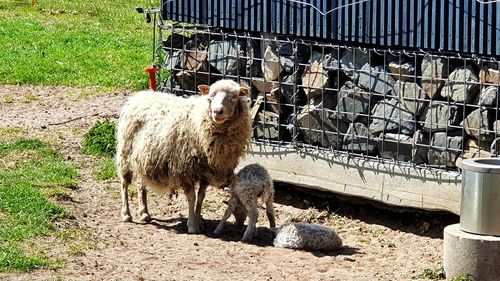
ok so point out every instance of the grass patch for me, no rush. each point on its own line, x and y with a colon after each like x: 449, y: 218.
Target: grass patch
x: 105, y: 169
x: 26, y: 213
x: 100, y: 139
x: 77, y: 43
x: 432, y: 274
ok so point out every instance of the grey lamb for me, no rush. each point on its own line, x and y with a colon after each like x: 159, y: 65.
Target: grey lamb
x: 250, y: 183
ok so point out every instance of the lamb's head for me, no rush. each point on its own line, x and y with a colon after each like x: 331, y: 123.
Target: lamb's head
x: 224, y: 96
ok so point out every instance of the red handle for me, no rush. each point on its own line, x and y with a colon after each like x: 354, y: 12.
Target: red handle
x: 152, y: 76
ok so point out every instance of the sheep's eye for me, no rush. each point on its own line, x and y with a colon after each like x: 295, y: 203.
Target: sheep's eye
x: 234, y: 98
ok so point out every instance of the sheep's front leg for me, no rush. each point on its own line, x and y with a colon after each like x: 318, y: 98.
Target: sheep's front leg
x: 230, y: 209
x: 193, y: 226
x: 125, y: 211
x: 143, y: 204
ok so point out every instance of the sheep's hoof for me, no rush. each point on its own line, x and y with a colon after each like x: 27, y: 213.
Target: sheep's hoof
x: 195, y: 229
x: 145, y: 218
x: 246, y: 239
x: 126, y: 218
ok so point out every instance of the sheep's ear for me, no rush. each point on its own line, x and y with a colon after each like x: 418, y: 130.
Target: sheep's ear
x: 204, y: 89
x: 244, y: 91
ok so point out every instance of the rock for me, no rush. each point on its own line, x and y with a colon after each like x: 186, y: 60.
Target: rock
x: 404, y: 148
x: 287, y: 63
x: 174, y: 41
x: 395, y: 146
x: 439, y: 116
x: 402, y: 71
x: 435, y: 70
x: 496, y: 127
x: 189, y: 83
x: 195, y: 66
x: 264, y: 86
x: 320, y: 127
x: 462, y: 85
x: 358, y: 139
x: 473, y: 149
x: 489, y: 96
x: 228, y: 57
x: 352, y: 60
x: 390, y: 116
x: 172, y: 61
x: 271, y: 65
x: 267, y: 126
x: 411, y: 96
x: 489, y: 76
x: 328, y: 101
x: 473, y: 143
x: 420, y: 147
x: 290, y: 90
x: 478, y: 123
x: 375, y: 79
x: 274, y: 101
x: 315, y: 79
x: 354, y: 102
x: 444, y: 150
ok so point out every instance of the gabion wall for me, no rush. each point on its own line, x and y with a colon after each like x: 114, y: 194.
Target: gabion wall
x: 414, y: 108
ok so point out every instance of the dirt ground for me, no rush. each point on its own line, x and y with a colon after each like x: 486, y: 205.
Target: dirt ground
x: 379, y: 244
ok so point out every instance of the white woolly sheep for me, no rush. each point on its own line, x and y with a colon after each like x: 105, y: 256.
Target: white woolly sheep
x: 307, y: 237
x: 250, y: 183
x: 168, y: 142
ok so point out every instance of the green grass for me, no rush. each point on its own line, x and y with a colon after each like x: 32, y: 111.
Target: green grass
x: 100, y: 139
x: 25, y: 211
x: 105, y: 169
x: 77, y: 43
x: 432, y: 274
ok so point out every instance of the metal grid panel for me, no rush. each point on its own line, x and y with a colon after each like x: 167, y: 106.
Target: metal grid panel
x: 413, y: 108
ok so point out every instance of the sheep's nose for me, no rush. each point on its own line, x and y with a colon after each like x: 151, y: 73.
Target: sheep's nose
x: 218, y: 111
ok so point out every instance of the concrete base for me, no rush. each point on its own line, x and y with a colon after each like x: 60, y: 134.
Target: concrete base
x: 392, y: 184
x: 471, y: 254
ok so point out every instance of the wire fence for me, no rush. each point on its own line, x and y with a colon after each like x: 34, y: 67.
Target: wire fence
x: 409, y: 107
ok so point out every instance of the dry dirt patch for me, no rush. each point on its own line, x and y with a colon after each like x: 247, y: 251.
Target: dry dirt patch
x: 379, y: 244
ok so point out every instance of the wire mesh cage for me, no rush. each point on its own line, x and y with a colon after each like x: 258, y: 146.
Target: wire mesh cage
x: 408, y: 107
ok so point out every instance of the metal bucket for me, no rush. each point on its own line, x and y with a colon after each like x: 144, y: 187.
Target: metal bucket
x: 480, y: 203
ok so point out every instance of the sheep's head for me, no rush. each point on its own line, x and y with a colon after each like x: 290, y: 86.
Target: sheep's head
x: 224, y: 96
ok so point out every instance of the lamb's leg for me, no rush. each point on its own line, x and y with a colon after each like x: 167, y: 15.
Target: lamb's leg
x: 199, y: 202
x: 125, y: 211
x: 253, y: 214
x: 270, y: 213
x: 143, y: 204
x: 193, y: 227
x: 230, y: 208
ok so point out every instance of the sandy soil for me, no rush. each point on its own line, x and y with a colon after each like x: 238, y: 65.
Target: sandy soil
x: 379, y: 244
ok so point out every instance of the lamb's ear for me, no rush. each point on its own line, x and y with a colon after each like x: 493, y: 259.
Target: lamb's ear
x: 204, y: 89
x: 244, y: 91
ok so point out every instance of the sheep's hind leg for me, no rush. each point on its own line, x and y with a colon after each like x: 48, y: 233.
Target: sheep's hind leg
x: 270, y: 213
x: 193, y: 226
x: 125, y: 211
x: 230, y: 209
x: 253, y: 214
x: 143, y: 204
x: 199, y: 202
